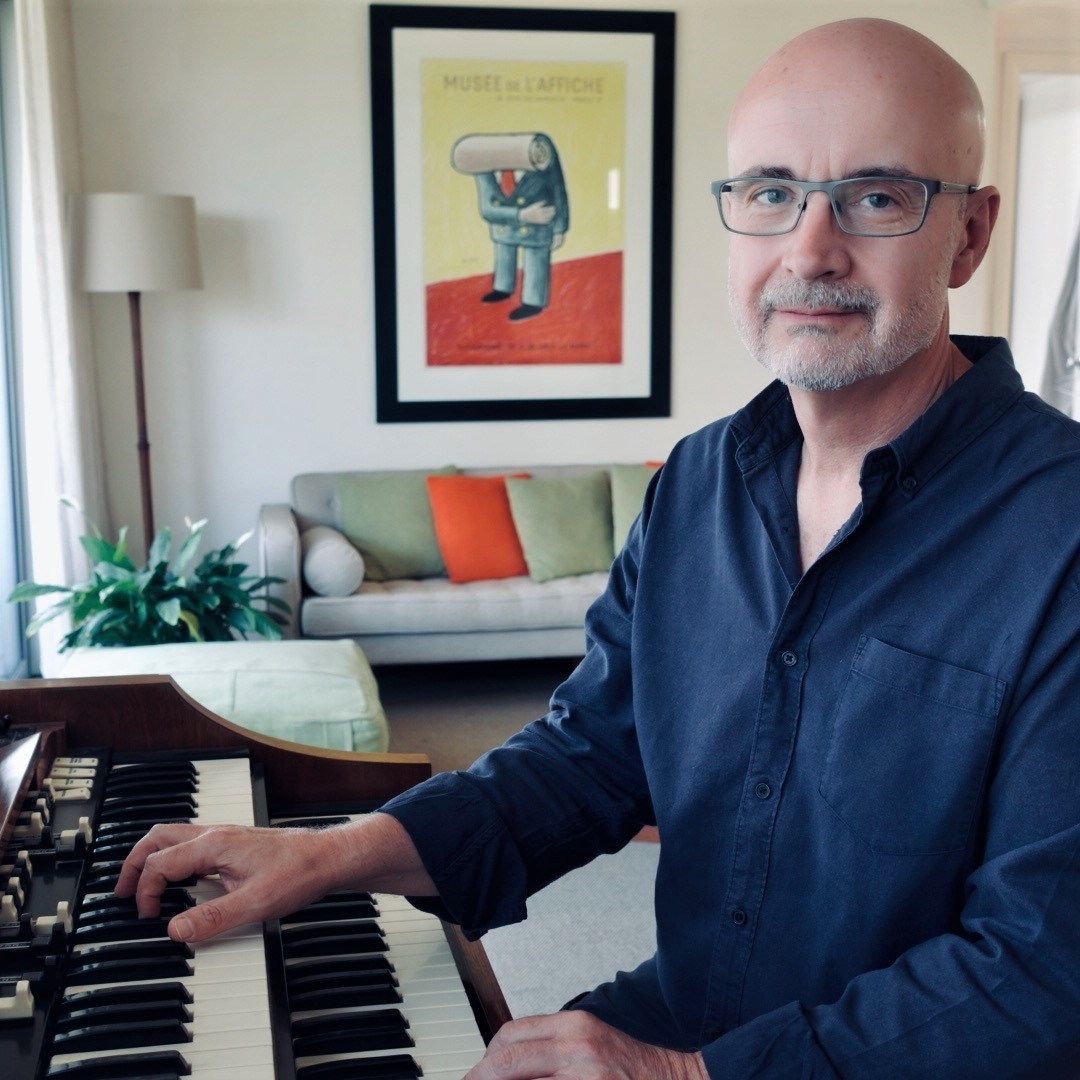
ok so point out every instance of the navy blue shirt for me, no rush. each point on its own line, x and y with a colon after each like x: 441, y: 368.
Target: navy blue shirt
x: 866, y: 777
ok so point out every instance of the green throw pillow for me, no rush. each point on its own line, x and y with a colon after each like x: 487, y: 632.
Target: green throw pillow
x: 628, y: 485
x: 388, y: 519
x: 564, y: 525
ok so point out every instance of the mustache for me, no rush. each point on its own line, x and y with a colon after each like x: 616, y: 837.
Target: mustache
x: 814, y: 295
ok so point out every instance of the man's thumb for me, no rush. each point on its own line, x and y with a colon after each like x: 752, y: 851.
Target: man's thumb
x: 205, y: 920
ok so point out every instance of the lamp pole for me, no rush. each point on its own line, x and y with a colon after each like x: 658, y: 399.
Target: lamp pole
x: 143, y: 441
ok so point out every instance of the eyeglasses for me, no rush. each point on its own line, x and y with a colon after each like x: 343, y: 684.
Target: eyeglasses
x: 864, y: 206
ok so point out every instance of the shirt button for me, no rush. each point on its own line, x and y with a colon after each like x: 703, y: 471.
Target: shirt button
x: 762, y: 790
x: 738, y: 916
x: 789, y: 658
x: 909, y: 483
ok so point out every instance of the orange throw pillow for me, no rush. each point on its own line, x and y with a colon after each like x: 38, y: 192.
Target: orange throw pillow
x: 474, y: 527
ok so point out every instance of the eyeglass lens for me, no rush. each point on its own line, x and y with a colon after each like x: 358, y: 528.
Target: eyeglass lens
x: 873, y: 206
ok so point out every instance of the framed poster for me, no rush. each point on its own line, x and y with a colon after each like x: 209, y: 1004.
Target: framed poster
x: 522, y: 206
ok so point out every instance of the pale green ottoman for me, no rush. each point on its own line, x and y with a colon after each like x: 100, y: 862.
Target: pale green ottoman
x: 317, y: 692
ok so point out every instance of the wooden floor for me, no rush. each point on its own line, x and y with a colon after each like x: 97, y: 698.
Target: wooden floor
x: 456, y: 712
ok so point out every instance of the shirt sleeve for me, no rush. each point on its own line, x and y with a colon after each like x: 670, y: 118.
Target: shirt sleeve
x: 567, y: 788
x: 1000, y: 997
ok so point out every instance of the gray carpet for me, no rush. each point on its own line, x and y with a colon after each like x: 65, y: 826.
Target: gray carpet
x: 581, y: 929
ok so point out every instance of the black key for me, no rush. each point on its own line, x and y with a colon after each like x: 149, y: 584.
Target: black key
x: 122, y: 995
x: 330, y: 930
x: 120, y: 929
x: 152, y: 768
x: 102, y: 875
x: 354, y: 967
x: 124, y: 1036
x: 119, y: 1014
x: 334, y: 911
x: 382, y: 1029
x: 391, y: 1067
x: 130, y: 970
x: 121, y: 811
x: 341, y: 977
x: 114, y: 852
x: 335, y: 946
x: 119, y: 911
x: 165, y: 789
x: 124, y: 807
x: 159, y: 1065
x: 165, y: 949
x: 347, y: 894
x: 172, y: 896
x: 343, y: 997
x: 109, y: 830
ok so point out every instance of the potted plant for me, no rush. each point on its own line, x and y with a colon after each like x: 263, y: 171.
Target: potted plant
x: 122, y: 604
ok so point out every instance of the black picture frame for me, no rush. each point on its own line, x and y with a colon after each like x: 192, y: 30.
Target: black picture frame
x: 404, y: 38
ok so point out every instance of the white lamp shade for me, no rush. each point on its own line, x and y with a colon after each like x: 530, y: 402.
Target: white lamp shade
x: 127, y: 242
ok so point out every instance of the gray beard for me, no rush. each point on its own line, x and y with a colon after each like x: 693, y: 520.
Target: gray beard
x: 800, y: 365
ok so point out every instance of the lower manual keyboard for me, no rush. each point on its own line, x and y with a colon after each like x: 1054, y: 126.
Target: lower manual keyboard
x: 378, y: 992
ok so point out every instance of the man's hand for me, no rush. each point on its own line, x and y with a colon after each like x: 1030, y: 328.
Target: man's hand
x: 574, y: 1045
x: 268, y: 872
x: 537, y: 213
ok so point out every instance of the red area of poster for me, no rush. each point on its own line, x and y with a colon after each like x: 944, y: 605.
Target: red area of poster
x: 582, y: 323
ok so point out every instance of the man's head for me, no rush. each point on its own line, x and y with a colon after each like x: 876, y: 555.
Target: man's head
x: 818, y: 307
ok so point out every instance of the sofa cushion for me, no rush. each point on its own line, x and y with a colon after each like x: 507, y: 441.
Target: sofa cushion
x: 628, y: 486
x: 474, y: 528
x: 564, y: 525
x: 331, y: 565
x: 318, y: 692
x: 388, y: 518
x: 436, y: 605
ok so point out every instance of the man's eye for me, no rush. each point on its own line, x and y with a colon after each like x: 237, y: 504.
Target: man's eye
x: 878, y: 200
x: 771, y: 196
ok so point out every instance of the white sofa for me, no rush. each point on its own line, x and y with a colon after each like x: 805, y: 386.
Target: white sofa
x: 429, y: 620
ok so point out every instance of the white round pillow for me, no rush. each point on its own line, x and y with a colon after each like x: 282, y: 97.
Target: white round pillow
x: 332, y: 566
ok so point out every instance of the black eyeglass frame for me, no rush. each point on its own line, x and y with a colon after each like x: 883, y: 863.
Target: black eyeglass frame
x: 932, y: 188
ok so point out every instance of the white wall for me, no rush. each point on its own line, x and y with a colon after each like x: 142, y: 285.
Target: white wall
x: 260, y: 109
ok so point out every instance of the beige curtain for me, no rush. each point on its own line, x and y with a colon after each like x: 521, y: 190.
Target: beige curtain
x: 60, y: 409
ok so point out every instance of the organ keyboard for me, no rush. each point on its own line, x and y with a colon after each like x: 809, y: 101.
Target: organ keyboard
x: 356, y: 986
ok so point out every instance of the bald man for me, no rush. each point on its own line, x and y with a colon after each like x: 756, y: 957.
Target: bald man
x: 837, y: 662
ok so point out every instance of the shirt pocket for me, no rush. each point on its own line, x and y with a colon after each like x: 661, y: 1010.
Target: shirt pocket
x: 908, y: 749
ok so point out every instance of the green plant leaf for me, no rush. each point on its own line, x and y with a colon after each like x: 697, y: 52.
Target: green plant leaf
x: 98, y: 549
x: 169, y: 610
x: 122, y: 604
x: 28, y: 590
x: 159, y: 549
x: 43, y: 617
x: 187, y: 551
x: 192, y: 623
x: 112, y: 572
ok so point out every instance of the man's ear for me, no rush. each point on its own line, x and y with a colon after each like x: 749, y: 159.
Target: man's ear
x: 979, y: 216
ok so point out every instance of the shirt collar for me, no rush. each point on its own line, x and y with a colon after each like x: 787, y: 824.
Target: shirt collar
x: 767, y: 425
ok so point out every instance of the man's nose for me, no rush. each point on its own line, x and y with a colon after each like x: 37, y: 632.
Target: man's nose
x: 817, y: 247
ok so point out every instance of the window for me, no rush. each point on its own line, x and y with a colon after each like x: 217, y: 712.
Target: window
x: 13, y: 651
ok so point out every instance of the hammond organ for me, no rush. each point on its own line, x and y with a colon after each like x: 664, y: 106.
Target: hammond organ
x: 355, y: 987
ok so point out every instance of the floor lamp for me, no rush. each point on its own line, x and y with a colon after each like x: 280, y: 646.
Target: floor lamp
x: 137, y: 243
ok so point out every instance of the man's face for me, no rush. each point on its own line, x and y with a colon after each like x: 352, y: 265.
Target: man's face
x: 818, y: 308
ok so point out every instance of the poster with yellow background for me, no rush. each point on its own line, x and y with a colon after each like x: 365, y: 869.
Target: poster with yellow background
x: 522, y: 246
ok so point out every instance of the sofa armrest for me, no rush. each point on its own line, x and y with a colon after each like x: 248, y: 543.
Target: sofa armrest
x: 278, y: 538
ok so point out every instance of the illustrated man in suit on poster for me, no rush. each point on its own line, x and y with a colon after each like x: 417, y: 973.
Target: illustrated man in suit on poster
x: 522, y: 197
